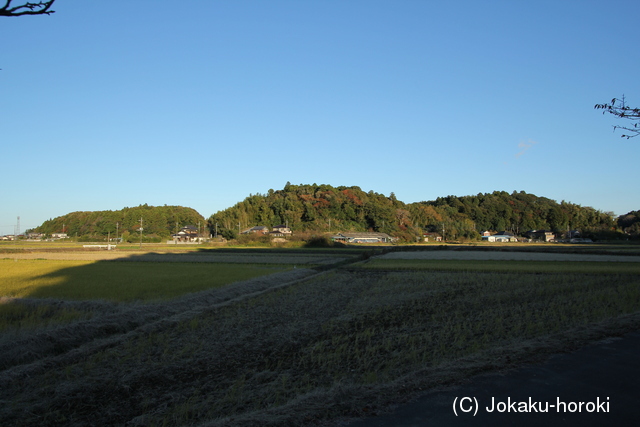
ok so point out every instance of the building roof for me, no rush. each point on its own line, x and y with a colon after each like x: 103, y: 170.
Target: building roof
x: 366, y: 234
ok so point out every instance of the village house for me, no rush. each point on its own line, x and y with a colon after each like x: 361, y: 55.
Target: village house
x: 502, y: 236
x: 188, y: 233
x: 365, y: 237
x: 432, y: 237
x: 281, y: 231
x: 259, y: 229
x: 542, y: 235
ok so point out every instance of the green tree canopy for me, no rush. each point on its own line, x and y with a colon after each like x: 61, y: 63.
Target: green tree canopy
x: 160, y: 221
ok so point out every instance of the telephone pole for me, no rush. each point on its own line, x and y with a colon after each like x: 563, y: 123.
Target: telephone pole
x: 17, y: 233
x: 140, y: 232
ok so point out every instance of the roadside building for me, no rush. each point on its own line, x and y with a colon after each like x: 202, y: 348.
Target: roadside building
x: 502, y: 236
x: 432, y: 237
x: 188, y: 233
x: 541, y: 235
x: 364, y: 237
x: 260, y: 229
x: 281, y: 230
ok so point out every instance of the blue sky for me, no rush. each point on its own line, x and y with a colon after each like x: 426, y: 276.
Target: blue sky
x: 201, y: 103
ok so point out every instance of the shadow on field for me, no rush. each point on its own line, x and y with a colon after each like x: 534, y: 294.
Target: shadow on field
x: 154, y: 276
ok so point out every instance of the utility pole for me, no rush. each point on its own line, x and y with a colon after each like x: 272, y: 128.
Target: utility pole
x: 140, y: 232
x: 17, y: 233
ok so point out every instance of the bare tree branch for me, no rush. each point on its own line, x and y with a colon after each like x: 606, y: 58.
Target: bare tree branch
x: 619, y: 108
x: 40, y: 8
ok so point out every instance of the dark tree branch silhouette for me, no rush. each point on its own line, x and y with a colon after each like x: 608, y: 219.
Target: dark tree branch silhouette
x: 619, y: 108
x: 39, y: 8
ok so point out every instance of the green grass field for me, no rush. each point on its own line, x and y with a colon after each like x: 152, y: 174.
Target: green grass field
x: 119, y: 280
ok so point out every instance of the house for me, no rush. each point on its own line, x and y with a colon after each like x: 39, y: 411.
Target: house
x: 59, y: 235
x: 432, y: 237
x: 260, y: 229
x: 543, y: 235
x: 188, y: 233
x: 502, y: 236
x: 281, y: 230
x: 367, y: 237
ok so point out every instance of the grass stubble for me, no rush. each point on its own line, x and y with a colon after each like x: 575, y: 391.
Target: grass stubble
x: 300, y: 348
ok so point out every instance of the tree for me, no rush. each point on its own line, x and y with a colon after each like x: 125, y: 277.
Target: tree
x: 619, y: 108
x: 40, y: 8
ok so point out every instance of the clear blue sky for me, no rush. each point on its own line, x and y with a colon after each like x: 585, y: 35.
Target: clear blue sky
x: 107, y: 104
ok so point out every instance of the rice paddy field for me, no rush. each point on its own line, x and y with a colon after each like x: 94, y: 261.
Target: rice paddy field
x: 213, y: 343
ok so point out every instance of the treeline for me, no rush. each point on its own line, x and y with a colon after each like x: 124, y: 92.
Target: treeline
x: 518, y: 213
x: 158, y: 222
x: 317, y: 209
x: 630, y: 223
x: 323, y: 208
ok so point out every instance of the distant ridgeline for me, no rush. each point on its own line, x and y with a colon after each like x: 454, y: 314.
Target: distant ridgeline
x: 323, y: 208
x: 157, y: 221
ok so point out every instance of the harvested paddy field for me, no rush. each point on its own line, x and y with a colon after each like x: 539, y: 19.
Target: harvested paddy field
x: 212, y: 257
x: 508, y: 256
x: 298, y: 347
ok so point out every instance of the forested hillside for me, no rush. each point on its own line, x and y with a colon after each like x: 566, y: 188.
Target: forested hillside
x: 630, y: 223
x: 518, y: 212
x: 326, y: 209
x: 318, y: 208
x: 323, y: 208
x: 157, y: 221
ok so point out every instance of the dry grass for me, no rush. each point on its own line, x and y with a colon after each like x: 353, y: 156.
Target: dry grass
x: 562, y: 267
x: 286, y: 352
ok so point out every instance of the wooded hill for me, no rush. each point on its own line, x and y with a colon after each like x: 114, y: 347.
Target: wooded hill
x: 157, y: 221
x: 319, y: 209
x: 323, y: 208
